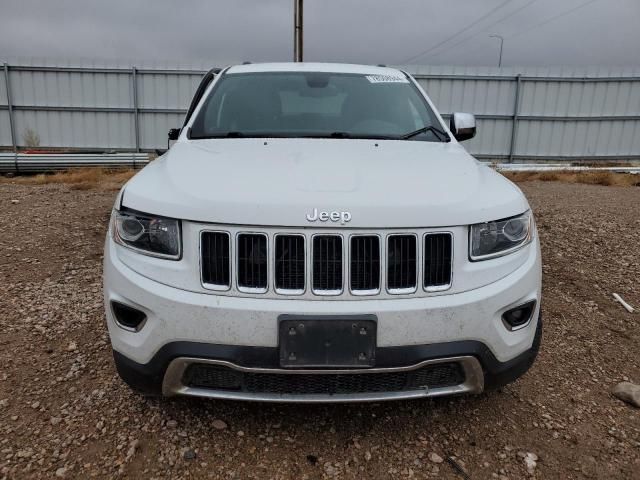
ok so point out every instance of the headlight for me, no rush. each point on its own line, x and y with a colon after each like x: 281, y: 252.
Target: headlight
x: 148, y: 234
x: 494, y: 239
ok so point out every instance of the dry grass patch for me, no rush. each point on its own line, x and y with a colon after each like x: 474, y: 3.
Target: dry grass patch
x: 590, y: 178
x: 78, y: 179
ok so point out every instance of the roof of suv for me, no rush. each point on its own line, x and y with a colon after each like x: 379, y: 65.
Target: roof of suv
x: 313, y: 67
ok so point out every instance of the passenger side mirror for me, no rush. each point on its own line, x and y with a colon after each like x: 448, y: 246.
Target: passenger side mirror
x: 174, y: 133
x: 463, y: 126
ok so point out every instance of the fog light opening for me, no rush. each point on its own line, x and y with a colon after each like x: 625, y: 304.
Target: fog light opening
x: 519, y: 317
x: 128, y: 317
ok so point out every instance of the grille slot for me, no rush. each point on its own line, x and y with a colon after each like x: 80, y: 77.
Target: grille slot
x: 289, y: 264
x: 365, y: 264
x: 327, y: 264
x: 252, y: 262
x: 437, y: 260
x: 402, y: 263
x: 218, y: 377
x: 216, y: 266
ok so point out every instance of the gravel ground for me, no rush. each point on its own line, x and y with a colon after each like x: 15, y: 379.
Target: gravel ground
x: 65, y: 413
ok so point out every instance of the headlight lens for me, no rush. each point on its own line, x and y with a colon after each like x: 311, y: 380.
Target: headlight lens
x: 151, y: 235
x: 494, y: 239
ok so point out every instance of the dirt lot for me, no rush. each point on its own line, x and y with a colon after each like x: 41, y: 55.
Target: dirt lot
x: 65, y: 413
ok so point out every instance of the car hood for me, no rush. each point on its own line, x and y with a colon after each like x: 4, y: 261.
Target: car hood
x: 278, y: 182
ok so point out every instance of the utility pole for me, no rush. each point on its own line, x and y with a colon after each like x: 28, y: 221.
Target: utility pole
x: 501, y: 38
x: 297, y: 31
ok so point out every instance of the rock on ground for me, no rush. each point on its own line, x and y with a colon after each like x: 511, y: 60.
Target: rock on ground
x: 628, y: 392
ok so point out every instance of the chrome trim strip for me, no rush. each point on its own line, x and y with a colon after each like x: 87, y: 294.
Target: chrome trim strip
x: 172, y: 384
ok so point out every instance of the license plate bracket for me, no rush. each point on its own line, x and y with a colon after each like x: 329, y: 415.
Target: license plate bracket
x: 327, y: 342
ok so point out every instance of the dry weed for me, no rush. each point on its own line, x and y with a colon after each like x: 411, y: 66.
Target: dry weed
x: 590, y: 178
x: 79, y: 179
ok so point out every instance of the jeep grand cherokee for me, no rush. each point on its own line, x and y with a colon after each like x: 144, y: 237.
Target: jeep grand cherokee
x: 316, y: 233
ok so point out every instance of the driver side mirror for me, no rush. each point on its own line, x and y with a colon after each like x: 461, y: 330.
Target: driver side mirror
x: 174, y: 133
x: 463, y: 126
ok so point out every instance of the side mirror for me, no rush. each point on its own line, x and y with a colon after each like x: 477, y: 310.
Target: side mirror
x: 463, y: 126
x: 174, y: 133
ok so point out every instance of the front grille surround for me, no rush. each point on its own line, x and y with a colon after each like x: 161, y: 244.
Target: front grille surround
x: 457, y: 234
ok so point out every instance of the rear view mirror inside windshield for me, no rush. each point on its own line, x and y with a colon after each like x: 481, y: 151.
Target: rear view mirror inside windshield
x: 317, y: 80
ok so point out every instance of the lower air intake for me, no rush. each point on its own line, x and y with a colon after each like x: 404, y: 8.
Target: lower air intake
x: 217, y: 377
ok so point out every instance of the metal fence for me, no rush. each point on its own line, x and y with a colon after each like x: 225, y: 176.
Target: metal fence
x: 523, y: 115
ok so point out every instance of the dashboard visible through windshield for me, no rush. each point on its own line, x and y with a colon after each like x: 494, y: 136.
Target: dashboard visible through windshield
x: 316, y: 104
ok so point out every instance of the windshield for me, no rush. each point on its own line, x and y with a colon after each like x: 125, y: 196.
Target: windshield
x: 313, y: 104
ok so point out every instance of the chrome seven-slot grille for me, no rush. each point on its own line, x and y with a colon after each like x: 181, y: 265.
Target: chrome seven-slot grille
x: 326, y: 264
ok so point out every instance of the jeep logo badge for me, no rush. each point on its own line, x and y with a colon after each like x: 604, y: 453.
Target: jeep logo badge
x: 335, y: 216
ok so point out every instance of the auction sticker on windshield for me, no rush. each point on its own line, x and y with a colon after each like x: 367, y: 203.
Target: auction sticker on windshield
x: 386, y: 79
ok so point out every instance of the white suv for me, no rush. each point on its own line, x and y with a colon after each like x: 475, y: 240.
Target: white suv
x: 317, y: 234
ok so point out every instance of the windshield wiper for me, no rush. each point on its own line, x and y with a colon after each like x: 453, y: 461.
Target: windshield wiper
x: 231, y: 134
x: 442, y: 136
x: 353, y: 136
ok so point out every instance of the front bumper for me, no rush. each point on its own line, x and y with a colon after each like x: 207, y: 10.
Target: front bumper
x: 165, y: 373
x: 183, y: 327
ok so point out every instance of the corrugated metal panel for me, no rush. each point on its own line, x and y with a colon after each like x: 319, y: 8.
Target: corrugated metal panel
x: 70, y: 89
x: 48, y: 101
x: 5, y: 131
x: 166, y: 90
x: 580, y: 99
x: 478, y: 96
x: 579, y: 138
x: 154, y: 128
x: 3, y: 88
x: 77, y: 129
x: 492, y: 139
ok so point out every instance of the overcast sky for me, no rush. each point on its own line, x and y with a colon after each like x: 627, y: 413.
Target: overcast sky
x: 454, y: 32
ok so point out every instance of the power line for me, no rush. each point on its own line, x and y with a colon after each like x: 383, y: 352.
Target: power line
x: 549, y: 20
x: 471, y: 25
x: 446, y: 49
x: 544, y: 22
